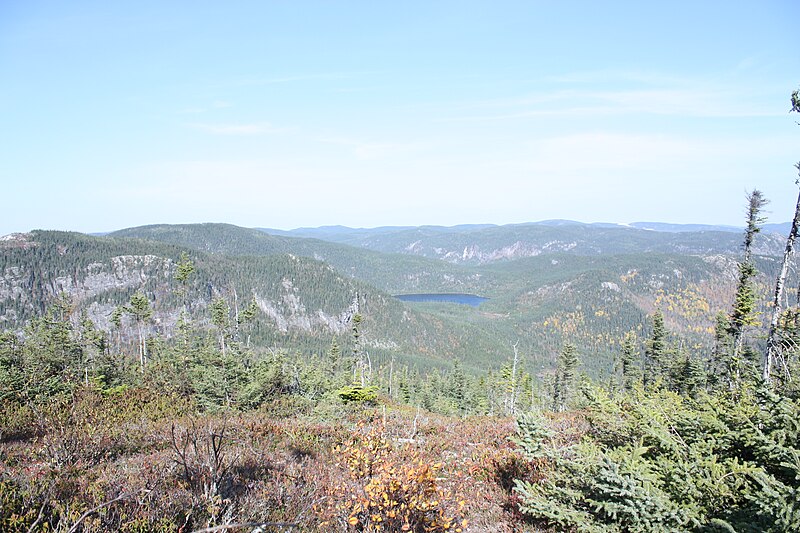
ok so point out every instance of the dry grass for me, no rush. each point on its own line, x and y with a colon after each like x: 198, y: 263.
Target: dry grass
x: 138, y: 463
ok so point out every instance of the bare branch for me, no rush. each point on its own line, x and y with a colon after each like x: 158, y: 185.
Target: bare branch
x: 38, y: 518
x: 94, y: 510
x: 258, y: 525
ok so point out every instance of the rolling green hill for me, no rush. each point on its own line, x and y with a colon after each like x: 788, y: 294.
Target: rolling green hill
x: 308, y: 289
x: 393, y: 273
x: 303, y: 303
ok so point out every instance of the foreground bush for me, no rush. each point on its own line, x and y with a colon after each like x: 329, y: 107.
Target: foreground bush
x: 658, y: 461
x: 395, y: 489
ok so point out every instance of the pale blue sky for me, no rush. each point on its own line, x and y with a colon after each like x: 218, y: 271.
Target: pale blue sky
x: 287, y: 114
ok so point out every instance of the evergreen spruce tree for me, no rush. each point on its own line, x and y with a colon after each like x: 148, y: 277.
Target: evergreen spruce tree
x: 220, y: 317
x: 564, y: 383
x: 116, y: 321
x: 52, y: 357
x: 689, y: 377
x: 430, y: 391
x: 630, y: 361
x: 12, y: 373
x: 405, y: 388
x: 183, y: 272
x: 526, y: 392
x: 139, y: 308
x: 93, y: 344
x: 719, y: 365
x: 334, y: 358
x: 247, y: 317
x: 655, y: 351
x: 743, y: 313
x: 184, y: 328
x: 457, y: 388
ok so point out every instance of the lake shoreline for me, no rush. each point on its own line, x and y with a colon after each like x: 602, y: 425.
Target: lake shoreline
x: 472, y: 300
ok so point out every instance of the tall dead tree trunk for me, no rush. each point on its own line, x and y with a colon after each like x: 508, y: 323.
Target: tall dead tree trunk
x: 773, y: 349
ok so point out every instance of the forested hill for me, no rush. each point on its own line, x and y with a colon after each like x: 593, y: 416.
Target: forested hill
x: 395, y: 273
x: 482, y: 244
x: 302, y: 303
x: 305, y: 289
x: 224, y: 239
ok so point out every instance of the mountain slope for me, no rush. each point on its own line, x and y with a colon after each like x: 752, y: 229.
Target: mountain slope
x: 397, y: 273
x: 303, y: 303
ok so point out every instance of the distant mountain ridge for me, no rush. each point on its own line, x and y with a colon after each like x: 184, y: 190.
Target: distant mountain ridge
x: 484, y: 243
x: 683, y: 228
x: 339, y: 232
x: 781, y: 228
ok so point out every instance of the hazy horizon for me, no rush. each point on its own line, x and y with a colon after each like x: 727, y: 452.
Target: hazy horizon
x: 324, y: 226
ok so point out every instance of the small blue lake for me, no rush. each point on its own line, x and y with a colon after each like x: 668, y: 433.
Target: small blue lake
x: 464, y: 299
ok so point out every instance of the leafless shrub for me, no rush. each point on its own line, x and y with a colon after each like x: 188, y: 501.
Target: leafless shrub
x: 65, y: 444
x: 200, y: 455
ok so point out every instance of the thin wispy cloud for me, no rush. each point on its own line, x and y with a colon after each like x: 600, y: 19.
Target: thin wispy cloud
x: 633, y: 92
x: 256, y: 128
x: 688, y: 103
x: 608, y: 151
x: 674, y: 102
x: 621, y: 76
x: 192, y: 111
x: 366, y: 150
x: 259, y: 81
x: 216, y: 104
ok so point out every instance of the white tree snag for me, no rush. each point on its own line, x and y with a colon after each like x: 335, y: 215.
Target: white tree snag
x: 773, y: 349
